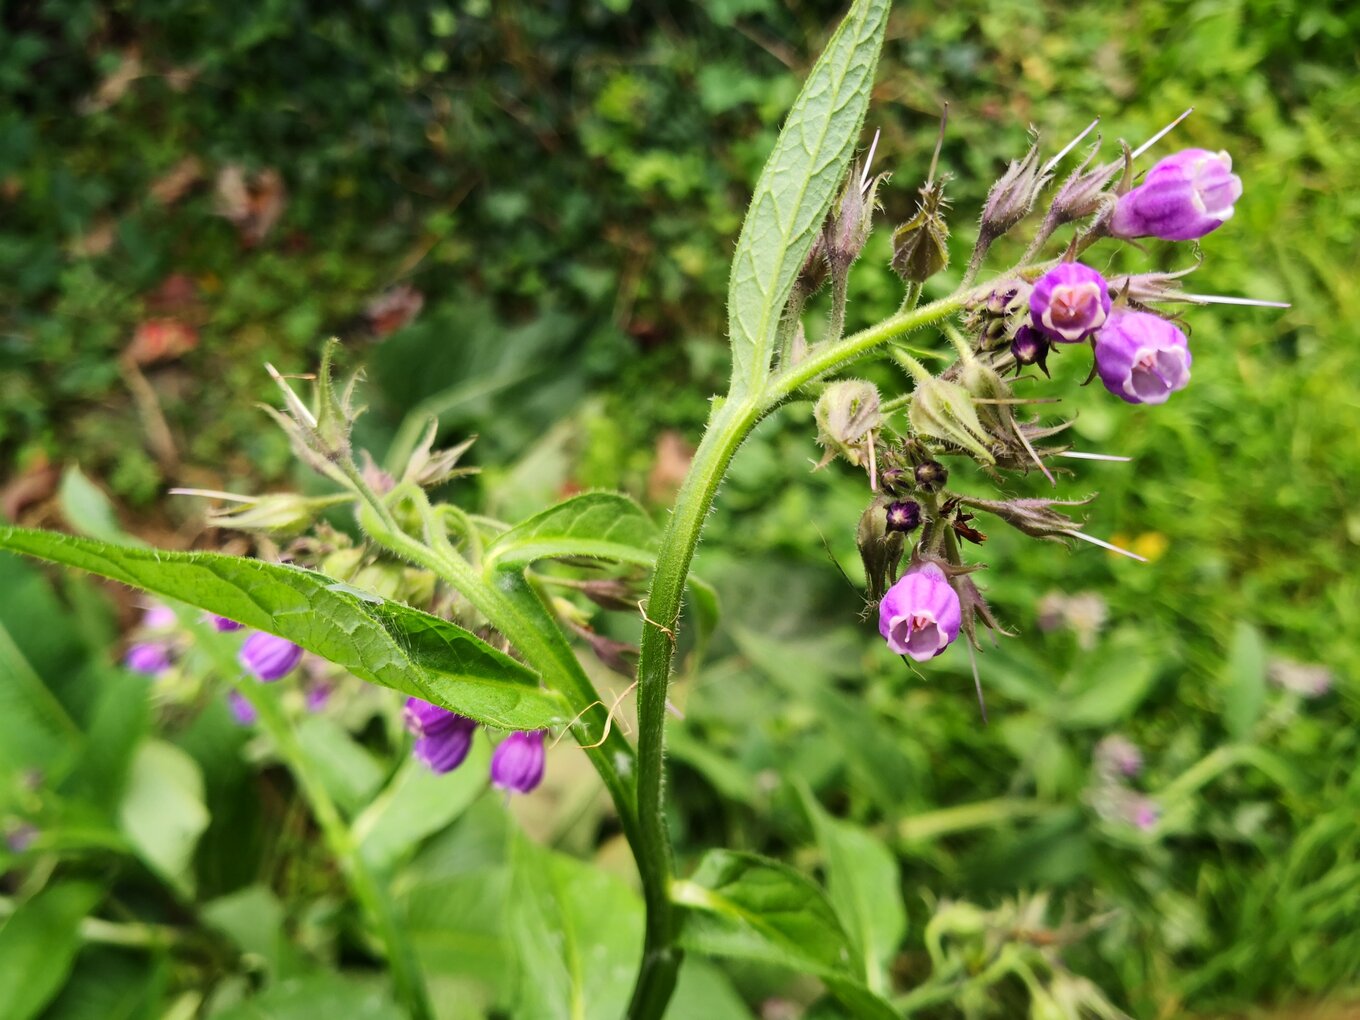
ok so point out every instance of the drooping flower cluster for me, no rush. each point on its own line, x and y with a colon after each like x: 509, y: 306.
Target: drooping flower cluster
x: 444, y: 738
x: 1140, y: 353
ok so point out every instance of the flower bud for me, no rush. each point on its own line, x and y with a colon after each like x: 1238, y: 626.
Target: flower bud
x: 151, y: 658
x: 1030, y: 347
x: 847, y: 413
x: 848, y: 227
x: 241, y: 710
x: 904, y: 515
x: 880, y: 547
x: 1069, y: 302
x: 931, y: 476
x: 443, y: 738
x: 269, y: 657
x: 223, y: 625
x: 944, y: 411
x: 517, y: 763
x: 920, y: 615
x: 284, y: 513
x: 1012, y: 197
x: 1185, y: 196
x: 1142, y: 358
x: 895, y: 481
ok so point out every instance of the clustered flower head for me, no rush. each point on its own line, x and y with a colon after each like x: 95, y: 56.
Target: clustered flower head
x: 976, y: 408
x: 444, y: 738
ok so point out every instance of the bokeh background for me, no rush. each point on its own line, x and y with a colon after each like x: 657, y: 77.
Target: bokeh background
x: 518, y: 217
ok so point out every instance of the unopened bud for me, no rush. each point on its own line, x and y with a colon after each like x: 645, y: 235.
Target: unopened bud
x: 880, y: 548
x: 847, y: 413
x: 1030, y: 347
x: 903, y: 515
x: 931, y: 476
x: 1012, y: 197
x: 943, y: 411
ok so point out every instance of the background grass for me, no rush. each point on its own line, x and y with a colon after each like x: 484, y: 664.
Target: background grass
x: 564, y: 186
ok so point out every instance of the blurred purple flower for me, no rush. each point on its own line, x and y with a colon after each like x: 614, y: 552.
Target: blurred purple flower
x: 269, y: 657
x: 222, y: 623
x: 443, y: 738
x: 1142, y: 358
x: 149, y: 657
x: 159, y: 616
x: 241, y: 709
x: 1069, y: 302
x: 318, y: 694
x: 1117, y: 755
x: 920, y: 615
x: 1185, y: 196
x: 517, y: 764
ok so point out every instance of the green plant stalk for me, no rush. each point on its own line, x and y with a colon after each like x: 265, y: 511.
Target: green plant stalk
x: 728, y: 426
x: 534, y: 636
x: 373, y: 899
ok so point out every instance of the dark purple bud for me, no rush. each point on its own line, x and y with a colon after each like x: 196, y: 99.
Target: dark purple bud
x: 1030, y: 347
x: 931, y: 475
x: 895, y: 480
x: 904, y: 515
x: 517, y: 764
x: 1142, y: 358
x: 1185, y: 196
x: 149, y: 657
x: 1069, y: 302
x: 920, y: 615
x: 222, y: 624
x: 269, y: 657
x: 241, y: 710
x: 443, y: 737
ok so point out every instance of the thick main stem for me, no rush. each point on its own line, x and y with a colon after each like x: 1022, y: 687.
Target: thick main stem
x: 728, y: 426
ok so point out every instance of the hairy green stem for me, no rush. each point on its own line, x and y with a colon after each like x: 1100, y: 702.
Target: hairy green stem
x: 373, y: 900
x: 513, y: 608
x: 728, y: 426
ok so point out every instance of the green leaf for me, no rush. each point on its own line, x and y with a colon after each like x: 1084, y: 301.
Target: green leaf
x: 456, y: 925
x: 576, y: 931
x: 1246, y: 681
x: 750, y: 907
x: 416, y: 804
x: 349, y: 771
x: 162, y: 813
x: 796, y: 189
x: 87, y: 509
x: 598, y: 525
x: 253, y: 918
x: 38, y: 945
x: 324, y: 995
x: 1116, y: 682
x: 384, y: 642
x: 865, y: 888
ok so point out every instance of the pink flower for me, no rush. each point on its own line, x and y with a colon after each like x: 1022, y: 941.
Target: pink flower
x: 920, y: 614
x: 1069, y: 302
x: 1187, y: 195
x: 1142, y: 358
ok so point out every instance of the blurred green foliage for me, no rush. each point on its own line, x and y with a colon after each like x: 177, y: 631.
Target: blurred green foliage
x: 564, y: 183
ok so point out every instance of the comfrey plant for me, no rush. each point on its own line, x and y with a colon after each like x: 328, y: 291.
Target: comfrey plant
x: 473, y: 619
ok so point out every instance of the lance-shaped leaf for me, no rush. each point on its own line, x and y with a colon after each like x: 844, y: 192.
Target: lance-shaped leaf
x: 796, y: 190
x: 595, y: 525
x: 750, y: 907
x: 384, y: 642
